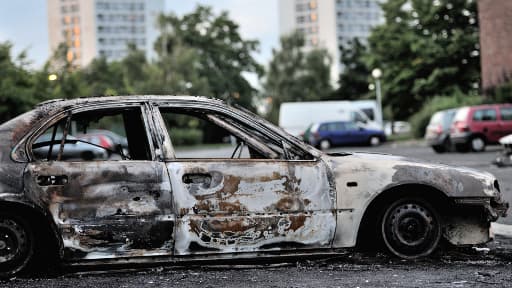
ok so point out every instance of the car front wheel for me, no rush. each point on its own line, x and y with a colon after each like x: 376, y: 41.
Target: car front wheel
x: 16, y: 245
x: 324, y: 144
x: 411, y: 228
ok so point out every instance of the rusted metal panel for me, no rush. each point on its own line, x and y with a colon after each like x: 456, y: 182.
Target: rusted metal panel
x: 252, y: 205
x: 107, y: 208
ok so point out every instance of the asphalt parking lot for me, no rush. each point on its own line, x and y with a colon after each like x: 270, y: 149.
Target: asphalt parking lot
x: 490, y: 265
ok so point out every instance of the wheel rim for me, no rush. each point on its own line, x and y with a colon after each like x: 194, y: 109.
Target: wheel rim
x: 374, y: 141
x: 324, y: 144
x: 411, y: 230
x: 477, y: 144
x: 14, y: 241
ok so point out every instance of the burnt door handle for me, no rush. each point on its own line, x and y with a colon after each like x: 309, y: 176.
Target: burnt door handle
x: 52, y: 180
x: 197, y: 178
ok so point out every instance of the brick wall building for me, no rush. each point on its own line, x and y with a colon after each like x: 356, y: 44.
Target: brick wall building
x: 495, y: 19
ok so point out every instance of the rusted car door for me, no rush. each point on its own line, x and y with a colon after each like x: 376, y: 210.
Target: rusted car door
x: 110, y: 207
x: 228, y: 205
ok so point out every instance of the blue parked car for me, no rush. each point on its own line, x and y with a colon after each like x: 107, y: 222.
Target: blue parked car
x: 327, y: 134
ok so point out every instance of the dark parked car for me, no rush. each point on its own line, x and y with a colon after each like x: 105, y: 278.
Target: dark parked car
x: 437, y: 133
x: 327, y: 134
x: 474, y: 127
x: 280, y: 197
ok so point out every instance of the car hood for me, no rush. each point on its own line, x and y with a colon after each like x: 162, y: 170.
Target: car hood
x: 378, y: 172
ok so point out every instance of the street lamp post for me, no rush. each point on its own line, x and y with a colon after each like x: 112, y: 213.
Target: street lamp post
x: 376, y: 74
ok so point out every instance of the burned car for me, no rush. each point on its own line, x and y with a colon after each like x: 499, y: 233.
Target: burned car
x: 271, y: 196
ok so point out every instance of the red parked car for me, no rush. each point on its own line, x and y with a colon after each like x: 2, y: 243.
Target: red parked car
x: 475, y: 127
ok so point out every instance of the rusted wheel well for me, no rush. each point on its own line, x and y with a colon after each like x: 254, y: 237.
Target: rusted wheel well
x: 368, y: 228
x: 47, y: 244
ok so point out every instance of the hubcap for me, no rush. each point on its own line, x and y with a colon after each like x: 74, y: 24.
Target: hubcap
x: 477, y: 144
x: 410, y: 230
x: 325, y: 145
x: 374, y: 141
x: 13, y: 240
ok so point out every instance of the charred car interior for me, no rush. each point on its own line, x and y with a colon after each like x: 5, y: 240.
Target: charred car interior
x: 127, y: 194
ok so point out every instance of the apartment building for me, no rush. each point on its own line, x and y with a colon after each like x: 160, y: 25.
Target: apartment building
x: 93, y: 28
x: 330, y: 23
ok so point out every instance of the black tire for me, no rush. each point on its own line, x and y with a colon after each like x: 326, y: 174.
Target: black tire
x: 87, y: 155
x: 439, y: 148
x: 16, y: 245
x: 411, y: 228
x: 462, y: 147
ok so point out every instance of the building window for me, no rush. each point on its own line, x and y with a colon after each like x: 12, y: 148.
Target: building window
x: 313, y: 17
x: 69, y: 56
x: 300, y: 19
x: 312, y: 4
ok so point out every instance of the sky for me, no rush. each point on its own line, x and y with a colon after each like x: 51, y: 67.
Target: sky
x: 24, y: 24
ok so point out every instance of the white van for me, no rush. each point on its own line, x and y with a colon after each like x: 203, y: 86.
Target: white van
x: 295, y: 117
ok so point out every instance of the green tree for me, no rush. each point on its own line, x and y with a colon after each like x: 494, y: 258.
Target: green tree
x: 296, y: 75
x: 103, y: 78
x: 426, y: 48
x: 134, y: 69
x: 353, y: 81
x: 176, y: 73
x: 221, y: 55
x: 16, y: 84
x: 69, y: 82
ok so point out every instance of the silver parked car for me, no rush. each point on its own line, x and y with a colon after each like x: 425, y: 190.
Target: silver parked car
x: 280, y: 197
x: 437, y: 133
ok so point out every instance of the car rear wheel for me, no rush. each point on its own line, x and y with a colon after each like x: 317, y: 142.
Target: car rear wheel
x: 411, y: 228
x: 16, y: 245
x: 374, y: 141
x: 462, y: 147
x: 444, y: 147
x: 87, y: 155
x: 477, y: 144
x: 324, y: 144
x: 439, y: 148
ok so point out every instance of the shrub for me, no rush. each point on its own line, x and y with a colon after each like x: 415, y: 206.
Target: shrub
x: 186, y: 136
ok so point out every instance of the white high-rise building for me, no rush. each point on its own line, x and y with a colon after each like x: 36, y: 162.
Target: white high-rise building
x: 330, y: 23
x: 93, y: 28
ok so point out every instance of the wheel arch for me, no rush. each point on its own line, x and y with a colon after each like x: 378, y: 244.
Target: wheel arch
x: 480, y: 135
x: 41, y: 222
x: 437, y: 198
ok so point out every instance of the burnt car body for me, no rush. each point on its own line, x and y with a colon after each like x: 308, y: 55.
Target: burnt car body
x: 285, y: 198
